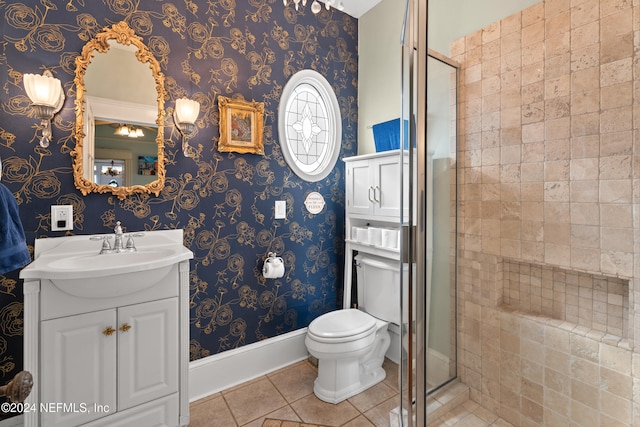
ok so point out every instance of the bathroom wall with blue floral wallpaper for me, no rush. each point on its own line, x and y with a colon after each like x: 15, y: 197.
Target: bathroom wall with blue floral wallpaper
x: 223, y: 201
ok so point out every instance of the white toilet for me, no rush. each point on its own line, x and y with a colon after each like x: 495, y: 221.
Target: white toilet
x: 350, y: 344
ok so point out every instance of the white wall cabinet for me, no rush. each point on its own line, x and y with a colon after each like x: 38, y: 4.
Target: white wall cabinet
x: 373, y: 186
x: 111, y: 361
x: 373, y: 200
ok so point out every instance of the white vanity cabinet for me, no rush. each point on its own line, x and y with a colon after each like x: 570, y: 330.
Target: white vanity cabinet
x: 119, y: 359
x: 373, y: 186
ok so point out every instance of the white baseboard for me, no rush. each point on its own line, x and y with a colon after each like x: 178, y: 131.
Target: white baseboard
x: 216, y: 373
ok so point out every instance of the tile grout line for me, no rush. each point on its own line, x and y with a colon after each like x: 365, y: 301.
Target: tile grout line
x: 235, y: 420
x: 288, y: 404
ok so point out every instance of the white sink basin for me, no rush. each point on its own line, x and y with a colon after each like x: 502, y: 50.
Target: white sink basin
x: 75, y: 266
x: 135, y: 271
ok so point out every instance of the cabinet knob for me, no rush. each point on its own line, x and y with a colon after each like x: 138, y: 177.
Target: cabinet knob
x: 125, y: 327
x: 108, y: 331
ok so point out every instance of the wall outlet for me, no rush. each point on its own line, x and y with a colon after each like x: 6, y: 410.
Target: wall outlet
x: 61, y: 217
x: 281, y: 209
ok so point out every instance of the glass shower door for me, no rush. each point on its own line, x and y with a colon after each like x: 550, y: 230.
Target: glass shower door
x: 441, y: 220
x: 429, y: 248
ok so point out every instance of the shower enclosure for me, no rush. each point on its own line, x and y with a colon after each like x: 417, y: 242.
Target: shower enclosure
x: 440, y: 230
x: 429, y: 114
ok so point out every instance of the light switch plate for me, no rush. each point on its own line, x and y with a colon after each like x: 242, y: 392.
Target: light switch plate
x: 61, y: 217
x: 281, y: 209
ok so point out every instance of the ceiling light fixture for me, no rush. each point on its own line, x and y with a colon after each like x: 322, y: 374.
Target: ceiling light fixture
x: 122, y: 130
x: 130, y: 131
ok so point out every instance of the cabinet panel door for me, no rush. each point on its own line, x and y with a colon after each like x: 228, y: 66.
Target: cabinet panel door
x: 159, y: 413
x: 359, y: 190
x: 387, y: 192
x: 147, y: 352
x: 78, y: 367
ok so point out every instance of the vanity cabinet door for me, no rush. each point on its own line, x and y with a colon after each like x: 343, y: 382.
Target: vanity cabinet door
x: 147, y: 352
x: 78, y: 368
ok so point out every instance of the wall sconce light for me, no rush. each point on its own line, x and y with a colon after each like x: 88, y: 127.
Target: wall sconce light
x: 184, y: 116
x: 47, y: 97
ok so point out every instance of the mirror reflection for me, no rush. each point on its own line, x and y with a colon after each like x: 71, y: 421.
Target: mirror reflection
x: 125, y: 154
x: 120, y: 146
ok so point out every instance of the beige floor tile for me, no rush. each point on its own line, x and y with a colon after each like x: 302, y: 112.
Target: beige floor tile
x: 296, y: 381
x: 249, y: 404
x: 285, y: 414
x: 372, y: 397
x: 211, y: 412
x: 392, y: 379
x: 315, y: 411
x: 379, y: 415
x: 253, y: 401
x: 471, y: 421
x: 361, y: 421
x: 485, y: 414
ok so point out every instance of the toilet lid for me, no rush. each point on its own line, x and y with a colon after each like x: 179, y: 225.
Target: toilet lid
x: 342, y: 325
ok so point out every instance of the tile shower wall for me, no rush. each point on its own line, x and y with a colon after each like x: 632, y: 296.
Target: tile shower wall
x: 549, y: 112
x: 595, y: 302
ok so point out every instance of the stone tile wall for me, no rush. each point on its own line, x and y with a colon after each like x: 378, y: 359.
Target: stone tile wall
x: 595, y: 302
x: 549, y: 119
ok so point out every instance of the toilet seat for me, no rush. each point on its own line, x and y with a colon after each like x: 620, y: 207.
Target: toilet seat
x: 342, y: 326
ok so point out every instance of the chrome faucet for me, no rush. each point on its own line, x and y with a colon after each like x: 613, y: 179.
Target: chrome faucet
x: 118, y: 247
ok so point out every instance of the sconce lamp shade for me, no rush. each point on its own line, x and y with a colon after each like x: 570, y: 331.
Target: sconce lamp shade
x: 44, y: 90
x: 187, y: 110
x: 122, y: 130
x: 185, y: 115
x: 47, y: 98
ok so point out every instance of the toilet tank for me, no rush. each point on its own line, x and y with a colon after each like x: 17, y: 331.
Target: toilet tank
x: 379, y: 283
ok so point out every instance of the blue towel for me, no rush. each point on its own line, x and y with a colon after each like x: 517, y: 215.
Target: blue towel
x: 13, y: 246
x: 386, y: 135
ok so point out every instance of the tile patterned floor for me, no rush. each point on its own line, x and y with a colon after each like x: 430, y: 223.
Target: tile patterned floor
x: 287, y: 394
x: 469, y: 414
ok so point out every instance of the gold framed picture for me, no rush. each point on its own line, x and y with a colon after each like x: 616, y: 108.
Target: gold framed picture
x: 241, y: 124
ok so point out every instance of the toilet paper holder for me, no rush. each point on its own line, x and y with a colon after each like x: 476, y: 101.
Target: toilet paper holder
x: 273, y: 267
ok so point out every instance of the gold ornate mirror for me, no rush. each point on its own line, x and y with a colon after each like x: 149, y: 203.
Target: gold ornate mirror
x: 119, y: 116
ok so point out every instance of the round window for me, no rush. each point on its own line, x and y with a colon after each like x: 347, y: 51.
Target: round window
x: 309, y: 125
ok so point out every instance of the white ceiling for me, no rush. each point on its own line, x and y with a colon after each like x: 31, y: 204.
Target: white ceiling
x: 357, y: 8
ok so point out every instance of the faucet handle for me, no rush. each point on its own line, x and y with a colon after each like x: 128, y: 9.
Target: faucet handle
x: 106, y: 246
x: 130, y: 244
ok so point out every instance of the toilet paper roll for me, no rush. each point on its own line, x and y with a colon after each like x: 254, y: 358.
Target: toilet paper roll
x: 375, y: 236
x: 273, y: 268
x: 362, y: 235
x: 389, y: 238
